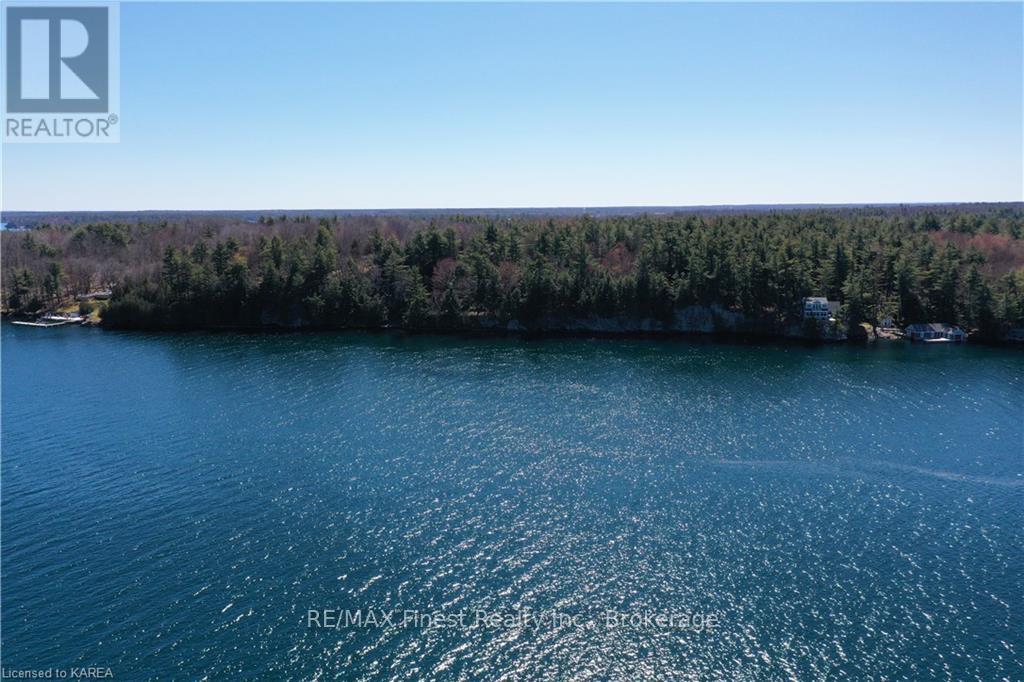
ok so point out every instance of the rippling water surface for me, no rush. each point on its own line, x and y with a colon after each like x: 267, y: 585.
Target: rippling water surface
x: 174, y: 505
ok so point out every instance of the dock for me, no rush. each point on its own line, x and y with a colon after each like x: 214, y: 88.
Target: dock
x: 40, y: 324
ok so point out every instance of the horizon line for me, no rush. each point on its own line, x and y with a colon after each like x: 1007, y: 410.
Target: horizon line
x: 583, y: 208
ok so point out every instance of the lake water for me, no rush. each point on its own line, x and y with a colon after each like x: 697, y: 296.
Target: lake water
x: 175, y: 505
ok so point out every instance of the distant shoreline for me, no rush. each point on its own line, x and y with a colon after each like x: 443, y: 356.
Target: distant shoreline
x: 810, y: 275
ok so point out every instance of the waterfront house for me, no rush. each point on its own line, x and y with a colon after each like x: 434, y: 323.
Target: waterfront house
x: 820, y: 308
x: 935, y: 331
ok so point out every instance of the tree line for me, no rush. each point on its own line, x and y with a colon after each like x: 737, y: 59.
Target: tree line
x: 963, y: 265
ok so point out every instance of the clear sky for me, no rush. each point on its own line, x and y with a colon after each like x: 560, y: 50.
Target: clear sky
x: 232, y: 106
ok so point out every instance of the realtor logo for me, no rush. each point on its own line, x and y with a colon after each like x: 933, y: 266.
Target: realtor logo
x: 60, y: 60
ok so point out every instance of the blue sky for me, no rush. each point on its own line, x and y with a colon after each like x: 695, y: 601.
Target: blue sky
x: 471, y: 105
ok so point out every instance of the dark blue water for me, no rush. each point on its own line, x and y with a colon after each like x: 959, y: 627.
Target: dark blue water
x: 174, y: 505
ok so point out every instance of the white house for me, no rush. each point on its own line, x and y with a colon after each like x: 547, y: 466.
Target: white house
x: 931, y: 331
x: 820, y: 308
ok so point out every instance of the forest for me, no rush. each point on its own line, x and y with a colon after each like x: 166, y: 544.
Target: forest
x: 962, y: 264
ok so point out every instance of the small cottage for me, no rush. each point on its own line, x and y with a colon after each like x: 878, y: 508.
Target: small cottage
x: 935, y: 331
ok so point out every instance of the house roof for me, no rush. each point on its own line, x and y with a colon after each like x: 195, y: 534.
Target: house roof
x: 930, y: 327
x: 816, y: 299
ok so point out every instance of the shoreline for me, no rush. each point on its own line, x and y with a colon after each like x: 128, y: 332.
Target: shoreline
x: 526, y: 334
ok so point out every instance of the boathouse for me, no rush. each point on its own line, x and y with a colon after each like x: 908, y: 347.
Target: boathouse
x: 932, y: 331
